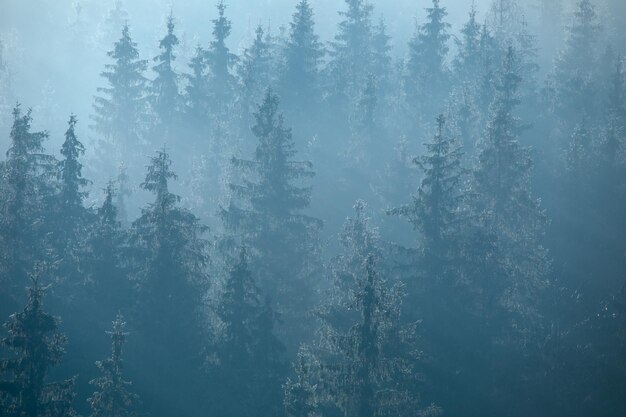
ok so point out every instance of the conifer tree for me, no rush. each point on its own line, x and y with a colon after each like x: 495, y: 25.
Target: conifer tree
x: 572, y: 79
x: 103, y: 257
x: 351, y: 51
x: 34, y: 337
x: 27, y: 188
x: 165, y: 96
x: 436, y: 209
x: 300, y: 391
x: 249, y: 368
x: 381, y: 54
x: 358, y: 239
x: 303, y: 55
x: 427, y: 73
x: 197, y: 95
x: 220, y: 60
x: 366, y: 360
x: 265, y: 212
x: 170, y: 270
x: 113, y: 397
x: 72, y: 215
x: 120, y: 112
x: 505, y: 204
x: 466, y: 63
x: 255, y: 71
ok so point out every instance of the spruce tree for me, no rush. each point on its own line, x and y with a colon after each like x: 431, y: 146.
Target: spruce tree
x: 366, y: 359
x: 265, y: 212
x: 436, y: 211
x: 104, y: 255
x: 34, y: 337
x: 427, y: 73
x: 300, y: 391
x: 255, y: 71
x: 466, y: 63
x: 71, y: 215
x: 27, y: 188
x: 197, y: 95
x: 249, y: 368
x: 165, y: 97
x: 303, y: 55
x: 221, y: 61
x: 351, y: 51
x: 170, y: 270
x: 572, y: 81
x: 113, y: 397
x: 120, y: 112
x: 505, y: 204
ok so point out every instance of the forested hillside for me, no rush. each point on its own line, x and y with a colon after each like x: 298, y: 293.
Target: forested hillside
x: 327, y: 216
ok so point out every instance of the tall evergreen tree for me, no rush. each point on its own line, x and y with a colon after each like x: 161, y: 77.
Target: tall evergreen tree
x: 27, y: 189
x: 255, y: 71
x: 34, y: 337
x: 507, y: 208
x: 165, y: 97
x: 573, y: 76
x: 113, y: 398
x: 268, y: 216
x: 366, y: 362
x: 466, y: 63
x: 120, y: 112
x: 427, y: 73
x: 171, y: 273
x: 300, y: 391
x: 197, y: 96
x: 220, y: 60
x: 249, y: 368
x: 351, y: 51
x: 104, y: 257
x: 303, y: 55
x: 436, y: 211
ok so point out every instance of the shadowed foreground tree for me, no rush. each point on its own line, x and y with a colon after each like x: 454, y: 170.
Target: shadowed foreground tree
x: 37, y: 344
x: 266, y: 212
x: 113, y: 398
x: 170, y: 271
x: 249, y: 366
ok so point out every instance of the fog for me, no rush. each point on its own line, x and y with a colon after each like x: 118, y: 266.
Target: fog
x: 312, y: 208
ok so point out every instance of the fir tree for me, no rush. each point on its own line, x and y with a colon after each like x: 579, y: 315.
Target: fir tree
x: 34, y: 337
x: 71, y: 214
x: 255, y: 71
x: 220, y: 60
x: 269, y: 219
x: 197, y: 96
x: 351, y: 51
x: 506, y: 207
x: 572, y: 78
x: 170, y: 270
x: 249, y: 367
x: 427, y: 72
x: 436, y: 209
x: 466, y: 63
x: 358, y: 240
x: 27, y: 190
x: 104, y: 257
x: 113, y: 397
x: 120, y: 113
x: 165, y: 96
x: 303, y: 55
x: 366, y: 359
x: 300, y: 391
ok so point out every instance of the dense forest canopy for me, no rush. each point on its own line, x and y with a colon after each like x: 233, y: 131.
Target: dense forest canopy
x: 313, y: 208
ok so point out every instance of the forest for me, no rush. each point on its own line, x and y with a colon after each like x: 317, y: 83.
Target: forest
x: 349, y: 208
